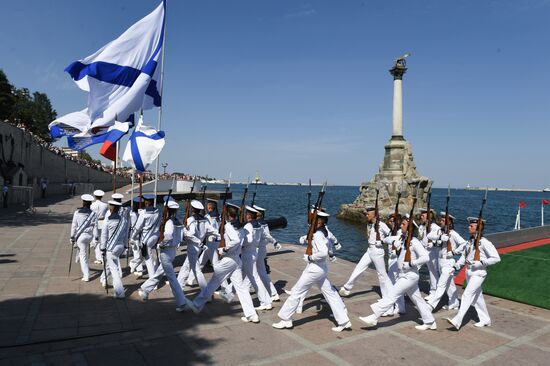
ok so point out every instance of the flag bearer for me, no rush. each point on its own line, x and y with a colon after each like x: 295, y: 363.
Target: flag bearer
x: 475, y: 275
x: 83, y: 230
x: 146, y: 235
x: 407, y: 283
x: 315, y: 273
x: 100, y: 208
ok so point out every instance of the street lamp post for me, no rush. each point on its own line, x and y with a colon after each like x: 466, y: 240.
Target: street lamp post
x: 164, y: 165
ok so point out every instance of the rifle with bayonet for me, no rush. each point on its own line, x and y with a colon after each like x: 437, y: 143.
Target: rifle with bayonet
x: 188, y: 208
x: 313, y: 225
x: 376, y: 217
x: 429, y: 217
x: 255, y: 191
x: 241, y: 213
x: 410, y: 231
x: 448, y: 221
x: 309, y: 213
x: 203, y: 198
x: 224, y: 213
x: 479, y: 229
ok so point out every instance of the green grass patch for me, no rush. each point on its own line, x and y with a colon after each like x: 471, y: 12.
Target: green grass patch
x: 522, y: 276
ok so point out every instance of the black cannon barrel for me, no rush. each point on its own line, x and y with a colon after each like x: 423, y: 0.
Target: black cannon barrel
x: 276, y: 223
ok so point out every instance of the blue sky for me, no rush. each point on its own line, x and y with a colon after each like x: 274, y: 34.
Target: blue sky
x: 299, y: 89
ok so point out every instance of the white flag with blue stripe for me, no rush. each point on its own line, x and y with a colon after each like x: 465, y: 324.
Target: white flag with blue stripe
x: 144, y: 146
x: 122, y: 77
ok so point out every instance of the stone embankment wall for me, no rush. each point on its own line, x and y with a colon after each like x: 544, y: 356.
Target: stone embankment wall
x: 38, y: 162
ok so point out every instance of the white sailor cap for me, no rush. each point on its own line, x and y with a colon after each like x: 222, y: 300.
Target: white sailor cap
x: 233, y: 205
x: 258, y: 208
x: 167, y: 198
x: 423, y: 210
x: 250, y: 209
x: 197, y: 205
x: 442, y: 214
x: 322, y: 214
x: 370, y: 208
x: 173, y: 204
x: 99, y: 193
x: 149, y: 197
x: 405, y: 216
x: 212, y: 200
x: 114, y: 203
x: 474, y: 220
x: 117, y: 196
x: 137, y: 199
x: 87, y: 197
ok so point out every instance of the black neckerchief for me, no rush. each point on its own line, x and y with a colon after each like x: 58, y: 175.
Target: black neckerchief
x: 256, y: 224
x: 323, y: 229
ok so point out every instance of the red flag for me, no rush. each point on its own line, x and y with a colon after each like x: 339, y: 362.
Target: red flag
x: 545, y: 202
x: 522, y: 204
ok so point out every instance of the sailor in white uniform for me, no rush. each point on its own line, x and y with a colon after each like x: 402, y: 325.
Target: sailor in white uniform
x: 83, y: 230
x: 198, y: 228
x: 433, y: 267
x: 265, y: 240
x: 136, y: 252
x: 167, y: 253
x: 253, y: 232
x: 145, y: 235
x: 229, y: 266
x: 393, y: 267
x: 100, y: 208
x: 123, y: 212
x: 315, y: 273
x: 407, y: 282
x: 450, y: 246
x: 374, y: 254
x: 113, y: 238
x: 476, y: 271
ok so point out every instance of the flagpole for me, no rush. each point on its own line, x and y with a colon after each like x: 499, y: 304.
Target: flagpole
x: 161, y: 86
x: 114, y: 168
x: 541, y: 214
x: 132, y: 195
x: 519, y: 218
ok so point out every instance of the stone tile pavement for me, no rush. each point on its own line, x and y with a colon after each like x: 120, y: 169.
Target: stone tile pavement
x: 48, y: 317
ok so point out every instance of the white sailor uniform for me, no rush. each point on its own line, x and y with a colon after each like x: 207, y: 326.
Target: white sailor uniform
x: 433, y: 251
x: 265, y: 239
x: 100, y: 208
x: 393, y: 271
x: 136, y: 252
x: 210, y: 252
x: 475, y: 275
x: 229, y: 266
x: 252, y: 233
x: 407, y: 282
x: 113, y: 239
x: 83, y: 230
x: 446, y: 266
x: 146, y: 233
x: 374, y: 254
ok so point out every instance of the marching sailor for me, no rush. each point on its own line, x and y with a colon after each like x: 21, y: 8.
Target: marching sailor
x: 167, y: 253
x: 450, y: 245
x: 432, y: 264
x: 123, y: 212
x: 145, y: 236
x: 265, y: 239
x: 374, y: 254
x: 253, y: 232
x: 136, y: 252
x: 229, y: 266
x: 393, y: 267
x: 113, y: 239
x: 475, y: 275
x: 100, y: 208
x: 407, y: 282
x: 315, y: 273
x: 198, y: 228
x: 83, y: 230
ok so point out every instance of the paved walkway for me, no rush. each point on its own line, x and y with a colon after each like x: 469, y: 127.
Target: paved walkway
x: 47, y: 317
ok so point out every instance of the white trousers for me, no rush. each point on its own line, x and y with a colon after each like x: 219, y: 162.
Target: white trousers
x: 227, y: 267
x: 262, y: 271
x: 376, y: 256
x: 314, y: 274
x: 473, y: 294
x: 407, y: 283
x: 112, y: 267
x: 393, y: 274
x: 445, y: 283
x: 150, y: 261
x: 191, y: 264
x: 208, y: 254
x: 97, y: 250
x: 251, y: 276
x: 166, y: 267
x: 83, y: 243
x: 433, y: 268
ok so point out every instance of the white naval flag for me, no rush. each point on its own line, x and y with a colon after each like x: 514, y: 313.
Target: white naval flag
x: 144, y: 146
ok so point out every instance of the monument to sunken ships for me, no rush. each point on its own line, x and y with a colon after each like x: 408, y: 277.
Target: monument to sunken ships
x: 398, y: 170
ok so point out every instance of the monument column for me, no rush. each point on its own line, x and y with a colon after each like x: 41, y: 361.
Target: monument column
x: 397, y: 72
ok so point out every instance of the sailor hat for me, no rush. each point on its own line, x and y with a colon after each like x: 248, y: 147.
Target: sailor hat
x: 114, y: 203
x: 167, y: 198
x: 442, y: 214
x: 233, y: 205
x: 99, y: 193
x: 212, y: 200
x: 137, y: 199
x: 250, y: 209
x: 258, y: 208
x: 474, y: 220
x: 173, y: 204
x: 370, y: 208
x: 87, y: 197
x: 405, y: 216
x: 117, y: 196
x: 423, y: 210
x: 149, y: 197
x: 322, y: 214
x: 197, y: 205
